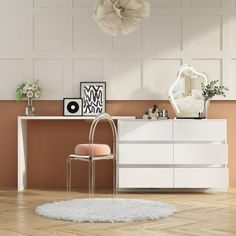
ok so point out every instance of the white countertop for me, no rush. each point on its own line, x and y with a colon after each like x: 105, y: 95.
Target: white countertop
x: 71, y: 117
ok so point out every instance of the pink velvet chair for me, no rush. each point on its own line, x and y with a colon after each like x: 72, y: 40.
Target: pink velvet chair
x: 92, y: 152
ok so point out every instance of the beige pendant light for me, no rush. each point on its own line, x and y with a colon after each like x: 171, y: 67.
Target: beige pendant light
x: 120, y: 16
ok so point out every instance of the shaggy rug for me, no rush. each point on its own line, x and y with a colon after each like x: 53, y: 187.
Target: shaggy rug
x: 105, y: 210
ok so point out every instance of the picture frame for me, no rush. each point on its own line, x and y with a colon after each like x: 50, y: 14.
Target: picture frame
x: 72, y: 107
x: 94, y: 97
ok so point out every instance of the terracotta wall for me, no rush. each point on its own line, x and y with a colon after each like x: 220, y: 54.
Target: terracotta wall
x: 49, y: 142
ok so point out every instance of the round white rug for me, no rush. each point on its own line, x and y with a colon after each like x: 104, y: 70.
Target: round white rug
x: 105, y: 210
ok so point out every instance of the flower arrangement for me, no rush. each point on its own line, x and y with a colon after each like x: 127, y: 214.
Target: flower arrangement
x: 29, y: 90
x: 211, y: 89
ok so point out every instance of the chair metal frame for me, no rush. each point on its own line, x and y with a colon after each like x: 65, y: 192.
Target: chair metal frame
x: 91, y: 158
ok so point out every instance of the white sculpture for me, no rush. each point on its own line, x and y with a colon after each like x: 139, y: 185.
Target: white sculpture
x: 120, y: 16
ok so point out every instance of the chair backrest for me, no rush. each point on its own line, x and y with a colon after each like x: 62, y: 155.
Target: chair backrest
x: 107, y: 117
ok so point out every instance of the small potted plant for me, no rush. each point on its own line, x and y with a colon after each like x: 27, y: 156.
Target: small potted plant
x: 28, y: 90
x: 209, y: 91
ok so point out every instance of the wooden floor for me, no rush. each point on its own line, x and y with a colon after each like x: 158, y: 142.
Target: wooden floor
x: 205, y: 214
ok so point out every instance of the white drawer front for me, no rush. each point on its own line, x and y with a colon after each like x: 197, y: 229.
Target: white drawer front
x: 201, y: 178
x: 199, y: 130
x: 201, y: 154
x: 143, y: 130
x: 146, y: 153
x: 146, y: 178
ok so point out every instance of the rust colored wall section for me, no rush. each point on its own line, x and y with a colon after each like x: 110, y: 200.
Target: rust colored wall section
x: 50, y: 142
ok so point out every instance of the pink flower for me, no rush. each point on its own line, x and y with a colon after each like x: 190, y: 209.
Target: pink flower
x: 30, y: 94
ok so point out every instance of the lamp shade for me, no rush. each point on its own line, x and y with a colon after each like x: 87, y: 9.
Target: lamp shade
x: 120, y: 16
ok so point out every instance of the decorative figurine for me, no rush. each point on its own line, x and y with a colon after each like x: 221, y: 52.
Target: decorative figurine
x: 153, y: 112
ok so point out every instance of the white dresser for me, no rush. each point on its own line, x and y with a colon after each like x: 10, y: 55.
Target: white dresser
x: 173, y: 154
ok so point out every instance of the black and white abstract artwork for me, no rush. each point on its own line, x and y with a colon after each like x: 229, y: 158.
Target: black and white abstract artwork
x: 94, y: 97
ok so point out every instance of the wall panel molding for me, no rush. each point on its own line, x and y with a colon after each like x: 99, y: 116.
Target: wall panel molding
x: 57, y: 41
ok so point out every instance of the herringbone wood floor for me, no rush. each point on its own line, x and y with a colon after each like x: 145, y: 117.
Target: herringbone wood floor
x: 205, y: 214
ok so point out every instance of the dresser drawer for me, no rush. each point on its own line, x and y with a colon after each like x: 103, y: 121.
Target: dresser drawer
x: 211, y: 154
x: 146, y: 178
x: 146, y: 153
x: 201, y: 178
x: 199, y: 130
x: 143, y: 130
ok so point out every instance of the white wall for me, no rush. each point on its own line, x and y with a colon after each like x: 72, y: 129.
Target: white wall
x: 57, y: 42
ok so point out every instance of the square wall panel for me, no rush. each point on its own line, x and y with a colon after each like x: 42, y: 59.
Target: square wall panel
x: 11, y: 75
x: 50, y: 73
x: 126, y: 80
x: 129, y: 42
x: 12, y: 36
x: 86, y: 70
x: 233, y: 33
x: 83, y: 3
x: 206, y: 3
x: 168, y: 3
x: 86, y: 34
x: 163, y: 74
x: 206, y: 32
x: 167, y: 33
x: 49, y: 3
x: 12, y: 3
x: 211, y: 67
x: 233, y: 75
x: 48, y: 33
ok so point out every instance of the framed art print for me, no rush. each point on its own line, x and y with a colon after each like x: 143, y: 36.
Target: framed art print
x: 72, y: 107
x: 94, y: 97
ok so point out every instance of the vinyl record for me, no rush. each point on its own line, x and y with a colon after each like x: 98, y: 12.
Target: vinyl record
x: 73, y: 107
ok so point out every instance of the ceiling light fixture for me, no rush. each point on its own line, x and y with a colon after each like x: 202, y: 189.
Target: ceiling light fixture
x: 120, y: 16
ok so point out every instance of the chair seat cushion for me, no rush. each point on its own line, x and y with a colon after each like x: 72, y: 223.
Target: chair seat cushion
x: 98, y: 149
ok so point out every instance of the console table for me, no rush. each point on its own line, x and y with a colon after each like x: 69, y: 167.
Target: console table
x: 22, y: 141
x: 173, y: 154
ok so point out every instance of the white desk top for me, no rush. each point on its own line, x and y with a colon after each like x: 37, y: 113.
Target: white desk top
x: 71, y: 117
x: 113, y: 117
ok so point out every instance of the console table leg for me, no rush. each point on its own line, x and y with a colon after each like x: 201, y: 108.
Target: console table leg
x: 22, y: 154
